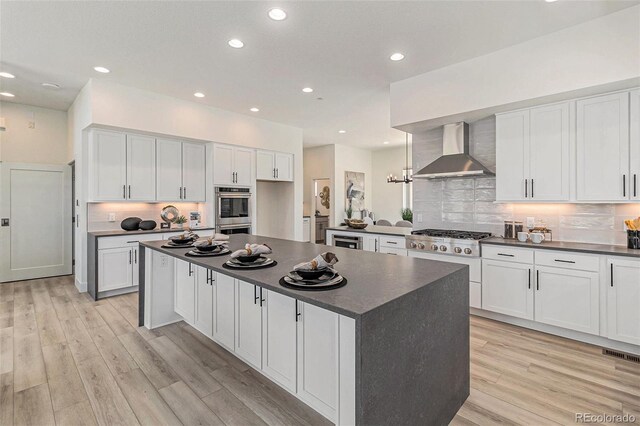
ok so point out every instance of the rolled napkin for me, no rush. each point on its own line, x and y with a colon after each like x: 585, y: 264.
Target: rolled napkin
x: 321, y: 261
x: 251, y: 249
x: 220, y: 237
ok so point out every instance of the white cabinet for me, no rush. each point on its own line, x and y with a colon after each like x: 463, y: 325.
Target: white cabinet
x: 232, y: 165
x: 306, y: 229
x: 135, y: 270
x: 115, y: 268
x: 141, y: 168
x: 370, y: 243
x: 203, y: 315
x: 532, y: 154
x: 248, y: 341
x: 224, y: 311
x: 623, y: 300
x: 279, y: 338
x: 107, y: 166
x: 274, y: 166
x: 318, y: 358
x: 506, y: 288
x: 602, y: 146
x: 634, y: 144
x: 568, y: 298
x: 180, y: 171
x: 184, y: 290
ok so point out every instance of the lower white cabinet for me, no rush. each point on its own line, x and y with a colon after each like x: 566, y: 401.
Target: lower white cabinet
x: 203, y: 316
x: 185, y: 290
x: 506, y: 288
x: 318, y: 358
x: 248, y: 341
x: 279, y: 338
x: 115, y: 269
x: 224, y: 311
x: 623, y: 300
x: 568, y: 298
x: 370, y: 243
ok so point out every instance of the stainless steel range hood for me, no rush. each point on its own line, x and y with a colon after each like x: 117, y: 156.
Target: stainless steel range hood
x: 455, y: 160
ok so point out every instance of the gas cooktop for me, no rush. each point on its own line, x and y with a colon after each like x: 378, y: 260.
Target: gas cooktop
x: 449, y: 241
x: 451, y: 233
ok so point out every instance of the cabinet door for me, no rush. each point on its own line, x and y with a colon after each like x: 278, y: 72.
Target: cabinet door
x: 306, y: 229
x: 223, y: 165
x: 279, y: 340
x: 318, y: 358
x: 602, y: 141
x: 168, y: 170
x: 114, y: 268
x: 623, y: 300
x: 568, y: 298
x: 284, y: 166
x: 224, y: 310
x: 265, y: 165
x: 184, y: 291
x: 193, y: 172
x: 141, y: 168
x: 135, y: 268
x: 507, y: 288
x: 370, y: 243
x: 248, y: 343
x: 549, y: 153
x: 512, y: 165
x: 634, y: 145
x: 108, y: 170
x: 203, y: 318
x: 242, y: 166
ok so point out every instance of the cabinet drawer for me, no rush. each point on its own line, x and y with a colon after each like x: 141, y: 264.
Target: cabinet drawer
x: 392, y: 250
x: 393, y: 242
x: 563, y: 259
x: 121, y: 241
x: 508, y: 254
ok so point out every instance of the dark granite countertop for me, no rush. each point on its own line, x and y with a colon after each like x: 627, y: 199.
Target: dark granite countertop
x: 118, y: 232
x: 374, y: 279
x: 567, y: 246
x: 376, y: 229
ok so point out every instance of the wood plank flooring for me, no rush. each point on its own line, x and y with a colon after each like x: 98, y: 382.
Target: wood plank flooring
x: 67, y: 360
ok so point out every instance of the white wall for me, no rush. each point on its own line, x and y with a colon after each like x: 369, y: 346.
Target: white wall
x: 599, y: 52
x: 44, y: 144
x: 353, y: 160
x: 387, y: 197
x: 274, y: 217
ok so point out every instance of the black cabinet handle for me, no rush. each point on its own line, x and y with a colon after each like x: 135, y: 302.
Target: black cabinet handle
x: 526, y: 188
x: 564, y: 261
x: 181, y: 193
x: 274, y: 173
x: 635, y: 193
x: 277, y: 173
x: 297, y: 311
x: 612, y: 275
x: 529, y: 278
x: 537, y: 280
x: 124, y: 191
x: 185, y: 192
x: 135, y: 256
x: 624, y: 185
x: 129, y: 191
x: 190, y: 269
x: 255, y: 295
x: 129, y: 256
x: 506, y: 255
x: 261, y: 299
x: 531, y: 188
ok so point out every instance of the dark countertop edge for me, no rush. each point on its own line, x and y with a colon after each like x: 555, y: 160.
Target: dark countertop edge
x: 606, y: 249
x: 369, y: 231
x: 120, y: 232
x: 299, y: 295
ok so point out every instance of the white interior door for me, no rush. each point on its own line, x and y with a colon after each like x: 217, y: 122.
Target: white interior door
x: 35, y: 199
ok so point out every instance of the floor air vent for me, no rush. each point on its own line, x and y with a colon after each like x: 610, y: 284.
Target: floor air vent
x: 622, y: 355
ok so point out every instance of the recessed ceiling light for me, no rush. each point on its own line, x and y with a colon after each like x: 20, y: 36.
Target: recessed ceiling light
x: 7, y: 94
x: 7, y: 75
x: 396, y: 57
x: 51, y: 86
x: 254, y: 109
x: 307, y: 90
x: 199, y: 95
x: 235, y: 43
x: 103, y: 70
x: 385, y: 143
x: 342, y: 131
x: 277, y: 14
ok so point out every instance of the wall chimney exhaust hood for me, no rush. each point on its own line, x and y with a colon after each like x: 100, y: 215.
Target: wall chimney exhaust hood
x: 455, y: 160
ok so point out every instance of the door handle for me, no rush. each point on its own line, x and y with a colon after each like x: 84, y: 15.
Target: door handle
x: 135, y: 256
x: 531, y: 188
x: 185, y: 192
x: 274, y: 173
x: 564, y: 261
x: 277, y: 173
x: 297, y: 311
x: 635, y: 194
x: 507, y: 255
x: 624, y: 185
x: 190, y: 272
x: 529, y: 279
x: 526, y: 188
x: 612, y: 275
x: 129, y: 191
x: 181, y: 193
x: 124, y: 191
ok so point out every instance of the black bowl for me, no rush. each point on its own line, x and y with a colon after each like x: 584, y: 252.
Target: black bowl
x: 248, y: 259
x: 148, y: 225
x: 206, y: 247
x: 311, y: 275
x: 181, y: 239
x: 130, y: 223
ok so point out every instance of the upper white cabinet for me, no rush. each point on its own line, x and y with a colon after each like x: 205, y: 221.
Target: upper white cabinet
x: 634, y: 144
x: 602, y: 147
x: 623, y: 300
x: 232, y: 165
x: 141, y: 168
x: 274, y: 166
x: 108, y: 166
x: 180, y: 171
x: 532, y: 154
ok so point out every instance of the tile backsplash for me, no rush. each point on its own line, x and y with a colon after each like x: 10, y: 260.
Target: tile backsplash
x: 98, y: 213
x: 469, y: 204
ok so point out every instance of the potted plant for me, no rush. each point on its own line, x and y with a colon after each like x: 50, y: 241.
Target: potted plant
x: 407, y: 214
x: 349, y: 213
x: 180, y: 221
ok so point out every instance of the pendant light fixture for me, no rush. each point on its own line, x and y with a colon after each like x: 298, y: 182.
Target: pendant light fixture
x: 406, y: 172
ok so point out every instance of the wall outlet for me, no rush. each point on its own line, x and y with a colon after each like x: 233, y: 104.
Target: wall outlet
x: 531, y: 222
x: 419, y: 217
x: 112, y: 217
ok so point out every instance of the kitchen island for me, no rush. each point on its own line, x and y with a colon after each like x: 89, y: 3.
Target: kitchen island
x: 390, y: 347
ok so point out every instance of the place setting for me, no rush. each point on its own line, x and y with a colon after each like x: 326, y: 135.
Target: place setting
x: 183, y: 240
x: 317, y: 274
x: 210, y: 247
x: 250, y: 257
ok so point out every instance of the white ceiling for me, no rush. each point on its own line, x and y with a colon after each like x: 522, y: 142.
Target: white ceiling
x: 341, y: 49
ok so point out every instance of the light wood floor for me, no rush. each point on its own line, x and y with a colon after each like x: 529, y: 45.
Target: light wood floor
x: 66, y: 359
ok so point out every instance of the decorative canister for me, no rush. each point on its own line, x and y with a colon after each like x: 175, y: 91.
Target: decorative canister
x: 633, y: 239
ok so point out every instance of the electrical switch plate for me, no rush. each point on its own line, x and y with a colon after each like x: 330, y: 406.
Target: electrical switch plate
x: 531, y: 222
x: 112, y: 217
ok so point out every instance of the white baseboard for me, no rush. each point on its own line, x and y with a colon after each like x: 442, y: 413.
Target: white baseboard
x: 82, y: 287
